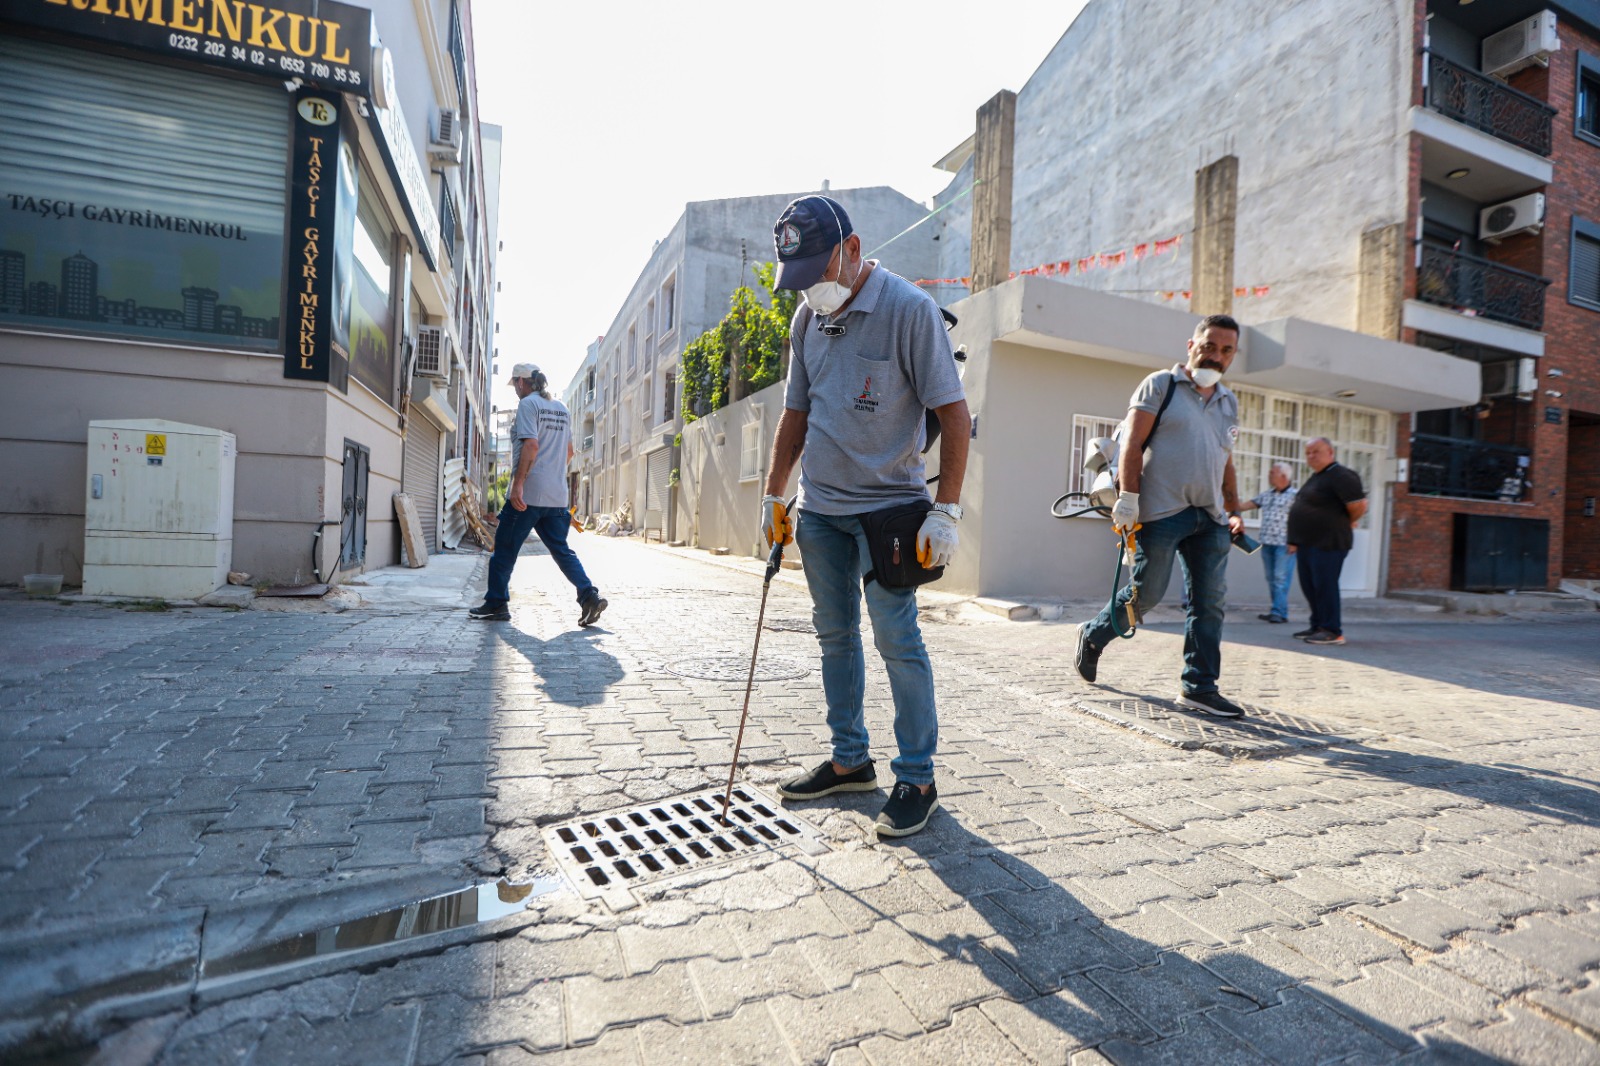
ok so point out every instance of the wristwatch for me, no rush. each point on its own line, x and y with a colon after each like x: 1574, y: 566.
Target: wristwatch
x: 951, y: 509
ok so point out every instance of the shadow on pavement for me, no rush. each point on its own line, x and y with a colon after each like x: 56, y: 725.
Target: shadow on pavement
x: 572, y: 668
x: 1547, y: 659
x: 1086, y: 984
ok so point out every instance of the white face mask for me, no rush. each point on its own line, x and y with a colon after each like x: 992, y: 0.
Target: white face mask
x: 1205, y: 376
x: 826, y: 297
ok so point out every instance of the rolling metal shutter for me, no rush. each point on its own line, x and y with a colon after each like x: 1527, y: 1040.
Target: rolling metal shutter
x: 420, y: 476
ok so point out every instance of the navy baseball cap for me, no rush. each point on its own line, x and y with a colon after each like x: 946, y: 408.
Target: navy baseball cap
x: 805, y: 236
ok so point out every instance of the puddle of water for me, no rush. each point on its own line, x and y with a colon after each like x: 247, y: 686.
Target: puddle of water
x: 470, y: 906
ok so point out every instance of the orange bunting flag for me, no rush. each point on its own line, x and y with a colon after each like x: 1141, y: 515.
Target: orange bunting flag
x: 1140, y: 250
x: 1085, y: 264
x: 1260, y: 290
x: 1117, y: 259
x: 1186, y: 294
x: 1241, y: 291
x: 1065, y: 266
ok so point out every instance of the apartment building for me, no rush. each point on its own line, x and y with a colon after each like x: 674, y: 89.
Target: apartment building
x: 273, y: 220
x: 1395, y: 198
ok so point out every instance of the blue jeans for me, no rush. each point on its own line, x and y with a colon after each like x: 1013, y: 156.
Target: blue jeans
x: 552, y: 524
x: 1279, y: 565
x: 835, y: 553
x: 1202, y: 544
x: 1319, y: 580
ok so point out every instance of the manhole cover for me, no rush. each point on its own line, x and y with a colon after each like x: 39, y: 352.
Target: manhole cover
x: 631, y: 847
x: 1262, y: 732
x: 790, y: 625
x: 737, y: 668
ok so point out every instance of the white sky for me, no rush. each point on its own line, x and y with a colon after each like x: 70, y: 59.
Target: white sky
x: 619, y: 112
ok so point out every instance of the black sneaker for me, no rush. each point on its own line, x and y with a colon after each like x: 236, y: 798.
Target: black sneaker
x: 1213, y: 703
x: 1304, y: 633
x: 490, y: 612
x: 1087, y: 659
x: 908, y: 810
x: 591, y: 611
x: 824, y: 781
x: 1274, y: 619
x: 1323, y: 636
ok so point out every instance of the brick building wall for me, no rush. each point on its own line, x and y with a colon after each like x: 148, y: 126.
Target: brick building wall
x: 1422, y: 529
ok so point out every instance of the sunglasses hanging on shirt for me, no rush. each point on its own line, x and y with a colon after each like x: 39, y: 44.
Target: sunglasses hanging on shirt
x: 830, y: 329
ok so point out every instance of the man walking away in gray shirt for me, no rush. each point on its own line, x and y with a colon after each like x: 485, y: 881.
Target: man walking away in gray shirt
x: 1177, y: 481
x: 536, y: 500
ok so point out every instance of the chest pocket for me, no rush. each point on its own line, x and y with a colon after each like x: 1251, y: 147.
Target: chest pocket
x: 867, y: 387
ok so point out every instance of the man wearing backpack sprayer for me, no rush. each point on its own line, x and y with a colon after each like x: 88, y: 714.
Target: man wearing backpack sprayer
x: 869, y: 356
x: 1176, y: 477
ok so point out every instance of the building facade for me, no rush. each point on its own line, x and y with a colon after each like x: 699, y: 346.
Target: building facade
x: 305, y: 261
x: 627, y: 419
x: 1272, y: 177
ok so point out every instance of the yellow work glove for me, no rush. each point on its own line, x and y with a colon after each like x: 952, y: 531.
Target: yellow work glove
x: 775, y: 521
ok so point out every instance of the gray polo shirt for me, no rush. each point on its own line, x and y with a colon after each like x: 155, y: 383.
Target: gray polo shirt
x: 547, y: 422
x: 864, y: 394
x: 1184, y: 464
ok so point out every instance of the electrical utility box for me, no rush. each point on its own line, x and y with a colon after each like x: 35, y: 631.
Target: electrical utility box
x: 159, y: 514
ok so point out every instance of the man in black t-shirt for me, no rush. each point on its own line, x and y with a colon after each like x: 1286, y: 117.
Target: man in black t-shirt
x: 1321, y: 530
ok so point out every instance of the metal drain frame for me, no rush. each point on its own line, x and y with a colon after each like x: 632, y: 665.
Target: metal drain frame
x: 626, y: 848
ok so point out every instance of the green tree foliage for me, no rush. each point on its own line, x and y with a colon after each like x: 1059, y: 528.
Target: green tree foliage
x: 751, y: 340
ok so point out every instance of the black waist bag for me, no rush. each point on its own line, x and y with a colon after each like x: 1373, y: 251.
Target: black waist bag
x: 892, y: 541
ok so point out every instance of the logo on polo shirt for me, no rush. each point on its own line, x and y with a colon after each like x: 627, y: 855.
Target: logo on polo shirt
x: 789, y: 239
x: 868, y: 400
x: 1233, y: 433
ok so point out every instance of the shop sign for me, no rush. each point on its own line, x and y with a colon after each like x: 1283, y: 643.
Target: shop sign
x: 322, y: 214
x: 321, y: 42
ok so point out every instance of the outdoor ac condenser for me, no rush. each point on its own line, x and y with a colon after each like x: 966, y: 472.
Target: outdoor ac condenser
x: 158, y: 520
x: 1521, y: 44
x: 1525, y: 214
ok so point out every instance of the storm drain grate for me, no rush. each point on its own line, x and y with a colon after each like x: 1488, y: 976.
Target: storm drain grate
x: 1262, y: 732
x: 635, y: 846
x: 737, y: 668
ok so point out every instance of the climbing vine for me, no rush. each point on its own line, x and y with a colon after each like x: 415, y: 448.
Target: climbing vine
x: 750, y: 341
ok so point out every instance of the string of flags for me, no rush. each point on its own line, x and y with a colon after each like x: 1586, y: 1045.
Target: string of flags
x: 1239, y: 293
x: 1063, y: 267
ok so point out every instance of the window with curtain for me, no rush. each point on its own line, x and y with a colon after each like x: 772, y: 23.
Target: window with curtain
x: 140, y: 200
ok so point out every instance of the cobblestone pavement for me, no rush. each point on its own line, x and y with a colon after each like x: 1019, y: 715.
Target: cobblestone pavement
x: 1410, y: 871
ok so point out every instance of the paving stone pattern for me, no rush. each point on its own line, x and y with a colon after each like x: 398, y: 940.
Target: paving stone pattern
x: 1423, y: 884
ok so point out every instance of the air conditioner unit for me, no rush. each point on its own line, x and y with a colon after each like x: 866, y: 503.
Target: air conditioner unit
x: 1525, y: 214
x: 445, y: 147
x: 1522, y: 44
x: 1514, y: 377
x: 433, y: 352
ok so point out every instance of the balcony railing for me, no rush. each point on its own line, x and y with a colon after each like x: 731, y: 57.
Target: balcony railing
x: 1449, y: 466
x: 1483, y: 103
x: 1477, y: 286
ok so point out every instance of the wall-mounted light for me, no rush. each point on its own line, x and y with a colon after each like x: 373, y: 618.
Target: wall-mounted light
x: 1552, y: 373
x: 1553, y: 394
x: 1458, y: 173
x: 1345, y: 394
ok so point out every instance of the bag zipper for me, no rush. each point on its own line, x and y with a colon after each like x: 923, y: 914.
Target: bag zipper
x: 895, y: 557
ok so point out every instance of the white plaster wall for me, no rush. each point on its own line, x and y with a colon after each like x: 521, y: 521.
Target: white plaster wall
x: 715, y: 508
x: 1311, y: 97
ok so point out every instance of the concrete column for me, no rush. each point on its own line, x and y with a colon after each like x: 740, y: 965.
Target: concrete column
x: 991, y: 199
x: 1381, y: 292
x: 1216, y: 206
